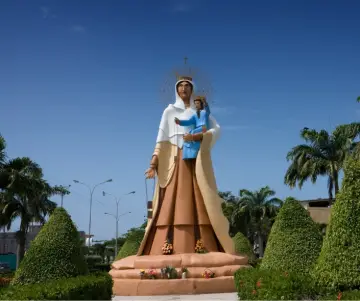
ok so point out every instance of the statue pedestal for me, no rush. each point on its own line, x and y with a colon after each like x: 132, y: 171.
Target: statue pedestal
x: 127, y: 280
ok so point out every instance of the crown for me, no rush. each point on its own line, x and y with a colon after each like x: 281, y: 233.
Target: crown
x: 182, y: 77
x: 200, y: 97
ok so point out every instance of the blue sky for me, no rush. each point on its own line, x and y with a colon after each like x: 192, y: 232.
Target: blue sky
x: 80, y: 82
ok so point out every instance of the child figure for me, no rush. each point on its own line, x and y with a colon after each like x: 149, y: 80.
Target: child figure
x: 200, y: 121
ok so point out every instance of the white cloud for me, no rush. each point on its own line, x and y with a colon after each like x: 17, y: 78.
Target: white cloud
x: 78, y: 28
x: 45, y: 11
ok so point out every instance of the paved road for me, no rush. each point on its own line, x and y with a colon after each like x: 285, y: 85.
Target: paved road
x: 209, y: 297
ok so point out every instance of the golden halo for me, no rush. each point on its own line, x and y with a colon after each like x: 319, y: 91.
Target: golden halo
x: 201, y: 81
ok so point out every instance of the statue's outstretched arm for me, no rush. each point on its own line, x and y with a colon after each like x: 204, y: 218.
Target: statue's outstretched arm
x: 188, y: 122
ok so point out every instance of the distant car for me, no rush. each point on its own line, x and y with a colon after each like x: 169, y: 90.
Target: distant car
x: 4, y: 267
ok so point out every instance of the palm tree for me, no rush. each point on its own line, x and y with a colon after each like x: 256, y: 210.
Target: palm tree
x: 2, y: 160
x: 26, y: 196
x: 323, y: 155
x: 260, y: 208
x: 2, y: 150
x: 238, y: 221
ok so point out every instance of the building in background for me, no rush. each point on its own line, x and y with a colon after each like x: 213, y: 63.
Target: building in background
x: 8, y: 243
x: 319, y: 209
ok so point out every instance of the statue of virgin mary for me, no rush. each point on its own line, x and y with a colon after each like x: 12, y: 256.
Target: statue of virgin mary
x: 186, y: 207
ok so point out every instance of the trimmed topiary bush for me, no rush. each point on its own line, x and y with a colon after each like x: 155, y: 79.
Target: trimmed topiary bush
x: 54, y: 253
x: 339, y: 261
x: 90, y: 287
x: 295, y: 240
x: 243, y: 246
x: 132, y: 244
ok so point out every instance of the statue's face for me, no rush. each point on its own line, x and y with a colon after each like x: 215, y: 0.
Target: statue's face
x: 198, y: 104
x: 184, y: 90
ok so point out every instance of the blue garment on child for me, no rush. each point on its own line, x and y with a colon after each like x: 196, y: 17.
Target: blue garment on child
x: 191, y: 148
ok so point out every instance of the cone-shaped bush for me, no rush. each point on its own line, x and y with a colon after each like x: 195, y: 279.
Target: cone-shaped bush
x: 54, y: 253
x: 132, y: 244
x: 338, y: 265
x: 243, y: 247
x: 295, y: 240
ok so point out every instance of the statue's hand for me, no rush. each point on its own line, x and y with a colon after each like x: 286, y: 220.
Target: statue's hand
x: 177, y: 121
x: 150, y: 173
x: 188, y: 137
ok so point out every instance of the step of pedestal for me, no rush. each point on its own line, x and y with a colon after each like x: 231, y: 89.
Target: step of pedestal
x: 193, y: 286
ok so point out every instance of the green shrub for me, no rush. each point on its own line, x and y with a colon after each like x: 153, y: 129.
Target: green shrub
x: 257, y: 284
x: 89, y: 287
x: 243, y: 246
x: 54, y: 253
x: 339, y: 261
x: 132, y: 244
x: 103, y: 267
x: 347, y: 295
x: 92, y: 260
x: 295, y: 240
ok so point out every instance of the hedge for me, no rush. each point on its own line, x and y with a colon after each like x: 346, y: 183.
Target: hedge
x: 243, y: 246
x: 257, y: 284
x: 54, y: 253
x: 132, y: 244
x: 339, y: 261
x: 90, y: 287
x: 295, y: 240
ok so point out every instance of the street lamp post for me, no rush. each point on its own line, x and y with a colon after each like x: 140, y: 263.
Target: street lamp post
x: 117, y: 199
x: 63, y: 193
x: 91, y: 189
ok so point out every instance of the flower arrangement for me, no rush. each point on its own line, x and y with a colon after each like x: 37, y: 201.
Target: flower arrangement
x: 199, y: 247
x: 208, y: 274
x: 152, y: 274
x: 163, y: 273
x: 170, y: 272
x: 142, y: 274
x: 167, y: 248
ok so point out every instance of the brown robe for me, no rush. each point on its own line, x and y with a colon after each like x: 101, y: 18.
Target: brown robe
x: 186, y: 206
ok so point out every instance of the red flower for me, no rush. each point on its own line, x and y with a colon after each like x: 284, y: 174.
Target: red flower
x: 258, y: 284
x: 339, y: 296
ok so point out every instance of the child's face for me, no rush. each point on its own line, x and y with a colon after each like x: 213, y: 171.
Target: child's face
x: 198, y: 104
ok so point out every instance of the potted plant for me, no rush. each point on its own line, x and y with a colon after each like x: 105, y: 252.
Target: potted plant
x: 184, y: 272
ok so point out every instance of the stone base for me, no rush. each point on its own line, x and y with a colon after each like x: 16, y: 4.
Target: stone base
x: 127, y: 281
x: 156, y: 287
